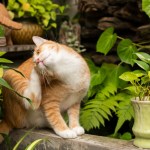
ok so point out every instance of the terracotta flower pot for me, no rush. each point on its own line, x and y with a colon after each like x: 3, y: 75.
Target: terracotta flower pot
x: 141, y: 127
x: 24, y: 35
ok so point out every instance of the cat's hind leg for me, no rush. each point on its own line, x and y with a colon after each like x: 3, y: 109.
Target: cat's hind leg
x: 73, y: 114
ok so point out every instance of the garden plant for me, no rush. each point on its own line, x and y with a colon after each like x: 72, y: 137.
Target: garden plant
x: 45, y: 12
x: 109, y: 94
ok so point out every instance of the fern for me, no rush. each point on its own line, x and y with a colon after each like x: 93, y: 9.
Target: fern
x: 124, y: 110
x: 95, y: 112
x: 104, y: 98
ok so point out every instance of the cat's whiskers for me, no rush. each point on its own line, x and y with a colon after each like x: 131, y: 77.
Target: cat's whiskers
x: 45, y: 77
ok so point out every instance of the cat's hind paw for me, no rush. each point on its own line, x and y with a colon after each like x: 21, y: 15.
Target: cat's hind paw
x: 78, y: 130
x: 67, y: 133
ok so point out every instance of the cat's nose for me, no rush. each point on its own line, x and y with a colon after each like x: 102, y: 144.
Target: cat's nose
x: 37, y: 60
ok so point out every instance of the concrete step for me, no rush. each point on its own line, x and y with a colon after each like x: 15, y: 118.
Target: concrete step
x: 54, y: 142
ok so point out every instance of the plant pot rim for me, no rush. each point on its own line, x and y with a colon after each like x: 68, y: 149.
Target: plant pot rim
x: 136, y: 100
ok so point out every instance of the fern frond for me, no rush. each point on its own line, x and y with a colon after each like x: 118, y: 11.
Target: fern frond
x: 112, y: 103
x: 93, y: 91
x: 91, y: 119
x: 107, y: 91
x: 96, y: 111
x: 124, y: 111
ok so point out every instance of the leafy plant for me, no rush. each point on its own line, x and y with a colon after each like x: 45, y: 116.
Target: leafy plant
x: 45, y: 11
x: 108, y: 94
x: 105, y: 97
x: 139, y: 79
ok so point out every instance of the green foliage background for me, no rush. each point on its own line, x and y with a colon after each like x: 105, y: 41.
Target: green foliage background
x: 108, y: 94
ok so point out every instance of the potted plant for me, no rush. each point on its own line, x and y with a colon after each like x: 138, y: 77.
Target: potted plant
x: 2, y: 36
x: 140, y: 87
x: 41, y: 12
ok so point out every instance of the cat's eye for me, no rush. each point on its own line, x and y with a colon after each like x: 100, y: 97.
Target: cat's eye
x: 37, y: 51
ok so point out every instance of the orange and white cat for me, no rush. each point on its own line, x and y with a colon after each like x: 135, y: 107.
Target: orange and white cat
x: 56, y: 80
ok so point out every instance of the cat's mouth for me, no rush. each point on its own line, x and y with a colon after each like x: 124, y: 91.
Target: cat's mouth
x: 41, y: 63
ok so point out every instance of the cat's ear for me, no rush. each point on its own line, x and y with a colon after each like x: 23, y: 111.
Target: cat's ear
x: 38, y: 40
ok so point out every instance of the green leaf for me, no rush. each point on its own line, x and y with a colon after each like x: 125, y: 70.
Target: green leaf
x: 20, y: 13
x: 139, y: 73
x: 45, y: 22
x: 16, y: 5
x: 106, y: 41
x: 62, y: 8
x: 54, y: 25
x: 143, y: 56
x: 47, y: 16
x: 146, y: 6
x: 1, y: 72
x: 53, y: 15
x: 2, y: 53
x: 3, y: 60
x: 40, y: 8
x: 132, y: 90
x: 126, y: 136
x: 5, y: 84
x: 128, y: 76
x: 126, y: 51
x: 92, y: 66
x: 97, y: 78
x: 142, y: 65
x: 112, y: 81
x: 33, y: 144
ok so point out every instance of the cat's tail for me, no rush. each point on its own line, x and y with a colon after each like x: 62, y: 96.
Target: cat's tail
x: 4, y: 130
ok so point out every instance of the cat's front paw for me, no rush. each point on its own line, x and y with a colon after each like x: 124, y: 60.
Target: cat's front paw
x: 67, y: 133
x: 78, y: 130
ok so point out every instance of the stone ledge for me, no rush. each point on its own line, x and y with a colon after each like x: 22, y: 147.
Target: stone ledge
x: 54, y: 142
x: 17, y: 48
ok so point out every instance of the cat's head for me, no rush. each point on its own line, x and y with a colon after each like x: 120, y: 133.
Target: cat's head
x: 45, y: 52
